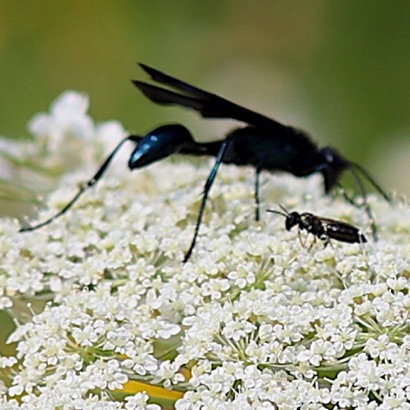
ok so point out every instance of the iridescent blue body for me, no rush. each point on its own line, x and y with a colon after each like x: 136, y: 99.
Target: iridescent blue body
x: 290, y: 151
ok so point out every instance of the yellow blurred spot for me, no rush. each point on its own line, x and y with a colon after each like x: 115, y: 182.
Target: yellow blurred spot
x: 155, y: 392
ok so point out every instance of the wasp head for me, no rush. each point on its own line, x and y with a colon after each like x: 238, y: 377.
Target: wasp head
x: 292, y: 219
x: 334, y: 166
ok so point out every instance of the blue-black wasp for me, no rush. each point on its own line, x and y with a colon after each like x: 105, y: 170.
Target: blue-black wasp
x: 322, y: 228
x: 262, y: 143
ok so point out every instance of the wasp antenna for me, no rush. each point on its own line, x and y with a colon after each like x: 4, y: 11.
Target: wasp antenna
x: 277, y: 212
x: 372, y: 181
x: 284, y: 209
x: 364, y: 196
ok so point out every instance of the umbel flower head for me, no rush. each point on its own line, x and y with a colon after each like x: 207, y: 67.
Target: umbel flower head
x: 108, y: 316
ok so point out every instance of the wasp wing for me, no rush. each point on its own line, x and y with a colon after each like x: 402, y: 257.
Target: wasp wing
x: 342, y: 231
x: 335, y: 222
x: 209, y: 105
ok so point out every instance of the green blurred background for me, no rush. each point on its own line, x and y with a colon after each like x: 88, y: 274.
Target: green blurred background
x: 339, y: 69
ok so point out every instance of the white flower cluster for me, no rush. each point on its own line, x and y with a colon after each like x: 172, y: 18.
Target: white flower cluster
x: 63, y: 141
x: 110, y: 318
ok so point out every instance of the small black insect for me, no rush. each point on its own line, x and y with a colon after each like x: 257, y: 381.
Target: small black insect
x: 262, y: 143
x: 324, y: 229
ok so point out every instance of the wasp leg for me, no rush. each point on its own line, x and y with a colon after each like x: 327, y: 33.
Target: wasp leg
x: 85, y: 186
x: 257, y: 202
x: 207, y: 188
